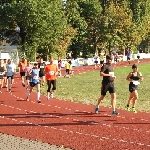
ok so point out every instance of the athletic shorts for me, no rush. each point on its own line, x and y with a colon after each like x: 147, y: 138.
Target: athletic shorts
x: 32, y: 84
x: 132, y: 87
x: 41, y: 75
x: 22, y: 74
x: 128, y: 58
x: 67, y: 71
x: 12, y: 77
x: 96, y: 62
x: 27, y: 78
x: 1, y: 77
x: 107, y: 87
x: 138, y: 57
x: 53, y: 83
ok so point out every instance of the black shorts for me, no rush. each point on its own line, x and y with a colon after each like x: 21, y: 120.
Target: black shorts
x: 27, y: 78
x: 138, y: 57
x: 53, y: 83
x: 132, y: 87
x: 12, y: 77
x: 41, y: 75
x: 2, y: 77
x: 67, y: 71
x: 22, y: 74
x: 96, y: 62
x: 128, y: 58
x: 32, y: 84
x: 107, y: 87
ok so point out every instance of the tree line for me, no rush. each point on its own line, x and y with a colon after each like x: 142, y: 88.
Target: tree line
x: 82, y: 27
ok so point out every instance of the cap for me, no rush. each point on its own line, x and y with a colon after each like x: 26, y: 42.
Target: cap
x: 134, y: 66
x: 108, y: 57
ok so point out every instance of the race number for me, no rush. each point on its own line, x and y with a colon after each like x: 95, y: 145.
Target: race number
x: 51, y: 73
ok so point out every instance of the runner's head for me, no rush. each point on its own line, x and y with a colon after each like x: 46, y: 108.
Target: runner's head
x: 9, y: 61
x: 35, y: 65
x: 5, y: 60
x: 51, y: 61
x: 108, y: 59
x: 134, y: 68
x: 23, y: 59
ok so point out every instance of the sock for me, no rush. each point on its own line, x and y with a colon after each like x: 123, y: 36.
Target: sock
x: 38, y: 95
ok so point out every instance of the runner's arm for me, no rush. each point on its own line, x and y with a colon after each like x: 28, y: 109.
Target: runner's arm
x: 128, y: 77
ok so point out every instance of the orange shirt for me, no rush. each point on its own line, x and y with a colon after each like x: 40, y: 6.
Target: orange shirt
x: 50, y: 71
x: 22, y: 65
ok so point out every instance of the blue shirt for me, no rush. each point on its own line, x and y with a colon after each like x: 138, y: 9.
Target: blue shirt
x: 35, y: 73
x: 10, y: 69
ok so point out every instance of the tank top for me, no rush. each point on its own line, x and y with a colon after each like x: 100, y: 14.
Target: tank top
x: 135, y: 78
x: 2, y: 71
x: 41, y: 67
x: 35, y: 79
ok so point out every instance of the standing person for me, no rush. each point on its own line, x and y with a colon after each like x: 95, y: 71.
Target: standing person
x: 5, y: 77
x: 107, y: 85
x: 51, y: 72
x: 67, y: 65
x: 138, y: 57
x: 133, y: 77
x: 22, y: 64
x: 34, y: 82
x: 41, y: 66
x: 2, y: 72
x: 59, y: 67
x: 95, y: 61
x: 27, y: 70
x: 10, y: 71
x: 129, y: 53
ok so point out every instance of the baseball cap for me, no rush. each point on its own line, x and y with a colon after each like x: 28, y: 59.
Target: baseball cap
x: 134, y: 66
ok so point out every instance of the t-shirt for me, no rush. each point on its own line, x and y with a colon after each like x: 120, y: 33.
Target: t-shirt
x: 22, y: 65
x: 107, y: 69
x: 27, y: 69
x: 67, y: 65
x: 50, y: 71
x: 10, y: 68
x: 35, y: 73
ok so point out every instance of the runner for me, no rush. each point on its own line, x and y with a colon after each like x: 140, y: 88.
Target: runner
x: 22, y: 64
x: 133, y: 77
x: 107, y: 85
x: 59, y: 67
x: 67, y: 65
x: 2, y: 72
x: 5, y: 77
x: 95, y: 61
x: 34, y: 82
x: 27, y: 69
x: 51, y: 72
x: 129, y: 53
x: 10, y: 71
x: 41, y: 66
x: 138, y: 57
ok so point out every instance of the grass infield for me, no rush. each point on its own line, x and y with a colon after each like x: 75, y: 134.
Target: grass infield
x: 85, y: 88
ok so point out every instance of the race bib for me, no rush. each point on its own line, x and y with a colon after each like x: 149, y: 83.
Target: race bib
x: 1, y: 73
x: 41, y: 66
x: 136, y: 82
x: 36, y: 77
x: 51, y: 73
x: 112, y: 73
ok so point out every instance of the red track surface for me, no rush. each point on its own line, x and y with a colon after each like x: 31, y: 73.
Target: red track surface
x: 71, y: 124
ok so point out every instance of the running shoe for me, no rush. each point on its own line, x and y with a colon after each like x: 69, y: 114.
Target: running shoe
x: 96, y: 109
x: 23, y: 84
x: 38, y: 101
x: 134, y: 110
x: 127, y: 108
x: 115, y: 113
x: 52, y: 95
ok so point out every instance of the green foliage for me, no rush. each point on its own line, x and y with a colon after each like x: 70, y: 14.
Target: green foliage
x: 52, y: 28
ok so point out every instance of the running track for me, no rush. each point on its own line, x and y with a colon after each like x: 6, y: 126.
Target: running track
x: 71, y: 124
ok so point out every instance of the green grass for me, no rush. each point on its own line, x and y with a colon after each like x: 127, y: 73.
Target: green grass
x: 85, y: 88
